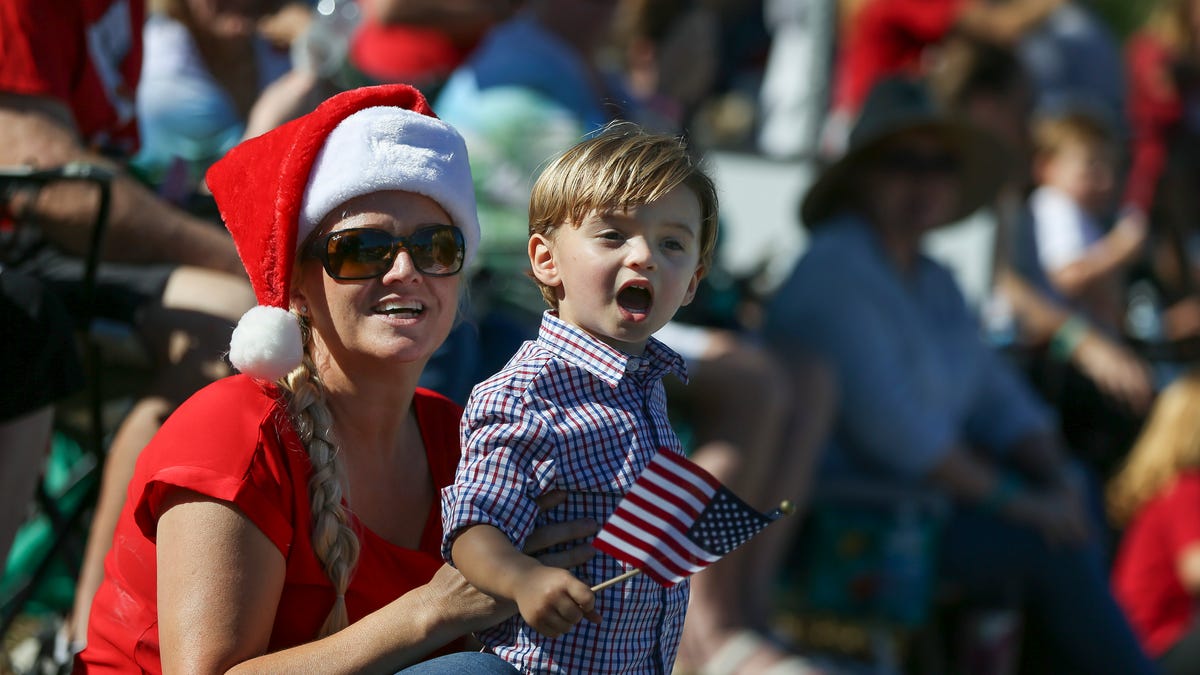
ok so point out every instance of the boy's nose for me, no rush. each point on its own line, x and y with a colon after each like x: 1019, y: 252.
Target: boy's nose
x: 640, y: 253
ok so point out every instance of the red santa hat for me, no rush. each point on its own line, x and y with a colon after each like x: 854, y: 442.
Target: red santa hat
x: 273, y: 191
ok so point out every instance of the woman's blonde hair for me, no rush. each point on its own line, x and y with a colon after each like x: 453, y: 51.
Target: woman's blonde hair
x: 621, y: 167
x: 1168, y: 444
x: 334, y: 541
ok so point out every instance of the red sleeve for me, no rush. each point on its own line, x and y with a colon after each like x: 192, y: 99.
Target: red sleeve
x: 40, y: 47
x: 1183, y: 503
x: 886, y: 38
x: 1154, y: 110
x: 231, y: 442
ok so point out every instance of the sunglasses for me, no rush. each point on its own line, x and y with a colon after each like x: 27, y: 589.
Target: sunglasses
x: 366, y: 253
x: 910, y: 161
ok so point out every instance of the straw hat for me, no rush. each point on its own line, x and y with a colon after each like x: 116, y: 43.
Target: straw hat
x: 896, y: 107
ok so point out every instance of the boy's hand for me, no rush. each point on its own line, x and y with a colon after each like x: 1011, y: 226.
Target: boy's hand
x: 552, y: 600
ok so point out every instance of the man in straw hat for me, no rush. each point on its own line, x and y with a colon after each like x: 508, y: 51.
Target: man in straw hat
x: 925, y: 403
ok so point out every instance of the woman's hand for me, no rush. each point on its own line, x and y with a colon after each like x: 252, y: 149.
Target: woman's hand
x: 554, y: 534
x: 1058, y: 514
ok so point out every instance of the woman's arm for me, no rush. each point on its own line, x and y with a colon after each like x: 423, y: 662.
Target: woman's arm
x: 1188, y: 566
x: 219, y: 583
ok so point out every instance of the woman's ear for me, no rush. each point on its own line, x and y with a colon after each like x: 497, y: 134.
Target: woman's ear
x: 541, y: 259
x: 299, y: 303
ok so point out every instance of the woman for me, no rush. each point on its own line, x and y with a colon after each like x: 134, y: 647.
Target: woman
x: 1156, y: 499
x: 286, y: 519
x: 925, y: 406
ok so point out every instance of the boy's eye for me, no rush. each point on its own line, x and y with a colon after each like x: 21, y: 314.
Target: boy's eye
x: 673, y: 245
x: 612, y: 235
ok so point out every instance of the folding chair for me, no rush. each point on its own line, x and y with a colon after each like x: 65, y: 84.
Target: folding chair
x: 13, y: 181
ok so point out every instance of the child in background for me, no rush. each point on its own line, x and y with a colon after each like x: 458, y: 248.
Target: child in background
x: 622, y: 229
x: 1075, y: 157
x: 1156, y: 498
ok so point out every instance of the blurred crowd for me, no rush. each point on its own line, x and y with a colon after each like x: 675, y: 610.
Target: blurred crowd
x: 1038, y: 444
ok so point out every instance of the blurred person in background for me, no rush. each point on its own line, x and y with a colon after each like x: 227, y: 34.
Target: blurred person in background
x: 924, y: 402
x: 1155, y: 499
x: 67, y: 83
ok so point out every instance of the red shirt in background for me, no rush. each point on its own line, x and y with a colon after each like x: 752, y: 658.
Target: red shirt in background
x: 888, y: 37
x: 1156, y: 112
x: 1145, y: 576
x: 87, y: 54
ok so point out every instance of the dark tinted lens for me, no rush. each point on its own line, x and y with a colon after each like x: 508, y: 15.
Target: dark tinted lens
x: 358, y: 254
x: 907, y: 161
x: 437, y: 250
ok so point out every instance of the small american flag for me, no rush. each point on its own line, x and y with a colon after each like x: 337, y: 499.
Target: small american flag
x: 677, y: 519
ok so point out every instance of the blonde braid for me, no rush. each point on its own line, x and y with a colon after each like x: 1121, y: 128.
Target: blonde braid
x: 335, y: 543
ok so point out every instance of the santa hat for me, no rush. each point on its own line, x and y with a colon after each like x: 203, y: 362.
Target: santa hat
x: 274, y: 189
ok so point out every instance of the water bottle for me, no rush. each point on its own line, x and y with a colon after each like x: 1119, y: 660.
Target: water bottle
x: 1142, y: 319
x: 324, y: 47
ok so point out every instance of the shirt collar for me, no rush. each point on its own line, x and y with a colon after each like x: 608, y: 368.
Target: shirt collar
x: 573, y: 344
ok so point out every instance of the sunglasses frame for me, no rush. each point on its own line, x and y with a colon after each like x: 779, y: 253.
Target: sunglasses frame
x: 320, y: 250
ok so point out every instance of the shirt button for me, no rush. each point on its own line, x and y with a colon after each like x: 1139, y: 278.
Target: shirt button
x: 633, y: 364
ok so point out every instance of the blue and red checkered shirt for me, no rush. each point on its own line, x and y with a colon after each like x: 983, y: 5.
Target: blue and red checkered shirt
x: 571, y: 413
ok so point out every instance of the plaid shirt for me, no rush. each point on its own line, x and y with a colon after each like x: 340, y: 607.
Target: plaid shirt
x: 571, y: 413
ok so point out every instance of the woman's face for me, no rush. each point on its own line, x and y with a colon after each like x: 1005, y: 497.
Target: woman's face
x: 912, y: 185
x: 401, y: 316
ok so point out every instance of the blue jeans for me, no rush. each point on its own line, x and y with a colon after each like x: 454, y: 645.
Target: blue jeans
x: 462, y: 662
x: 1064, y: 590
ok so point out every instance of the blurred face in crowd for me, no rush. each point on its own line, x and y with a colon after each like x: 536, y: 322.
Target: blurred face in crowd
x: 911, y: 184
x: 1083, y: 171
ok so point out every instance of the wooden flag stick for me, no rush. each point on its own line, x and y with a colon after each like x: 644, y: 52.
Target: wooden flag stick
x: 785, y: 509
x: 616, y: 580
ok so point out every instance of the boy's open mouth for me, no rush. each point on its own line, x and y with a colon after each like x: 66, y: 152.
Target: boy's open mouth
x: 635, y: 299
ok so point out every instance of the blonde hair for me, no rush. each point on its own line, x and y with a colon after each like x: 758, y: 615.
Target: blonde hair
x: 1168, y: 444
x: 1170, y: 21
x: 1052, y: 133
x: 621, y: 167
x: 334, y: 541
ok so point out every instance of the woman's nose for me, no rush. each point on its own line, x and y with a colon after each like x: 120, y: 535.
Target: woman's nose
x: 403, y: 269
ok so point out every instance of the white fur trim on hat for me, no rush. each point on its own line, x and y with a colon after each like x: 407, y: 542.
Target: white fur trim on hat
x: 266, y: 343
x: 391, y: 148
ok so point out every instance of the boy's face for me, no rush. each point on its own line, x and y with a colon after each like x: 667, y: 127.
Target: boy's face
x: 1082, y: 171
x: 622, y: 276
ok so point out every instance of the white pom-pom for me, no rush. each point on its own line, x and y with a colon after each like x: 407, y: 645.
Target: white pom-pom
x: 266, y: 343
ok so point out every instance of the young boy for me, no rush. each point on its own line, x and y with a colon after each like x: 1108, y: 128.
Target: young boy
x: 1074, y: 165
x: 622, y: 228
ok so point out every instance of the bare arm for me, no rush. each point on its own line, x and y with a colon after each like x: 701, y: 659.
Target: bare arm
x: 1104, y: 260
x: 1115, y: 369
x: 219, y: 582
x: 1188, y: 567
x: 1006, y: 22
x: 552, y: 600
x: 142, y: 228
x: 1056, y: 511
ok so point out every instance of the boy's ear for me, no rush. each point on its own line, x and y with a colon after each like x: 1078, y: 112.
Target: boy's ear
x: 693, y: 285
x: 541, y: 259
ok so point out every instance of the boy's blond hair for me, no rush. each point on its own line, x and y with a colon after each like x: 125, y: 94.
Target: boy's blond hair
x: 622, y: 167
x: 1168, y: 444
x: 1052, y: 133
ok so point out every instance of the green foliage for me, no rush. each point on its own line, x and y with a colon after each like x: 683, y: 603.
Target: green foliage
x: 1123, y: 15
